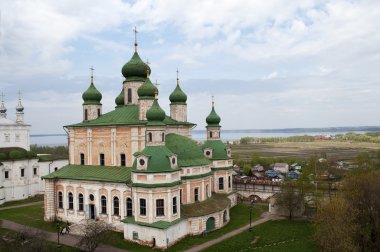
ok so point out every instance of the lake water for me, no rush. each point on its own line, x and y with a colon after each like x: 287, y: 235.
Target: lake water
x: 227, y: 135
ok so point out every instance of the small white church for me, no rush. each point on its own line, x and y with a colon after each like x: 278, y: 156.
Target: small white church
x: 20, y: 169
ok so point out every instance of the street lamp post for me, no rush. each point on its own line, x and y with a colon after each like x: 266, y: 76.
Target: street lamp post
x: 58, y: 229
x: 250, y: 215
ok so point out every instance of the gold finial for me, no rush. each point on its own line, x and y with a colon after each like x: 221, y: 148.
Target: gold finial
x: 177, y: 76
x: 147, y: 68
x: 135, y: 31
x: 212, y: 101
x: 156, y: 90
x: 19, y: 95
x: 92, y: 74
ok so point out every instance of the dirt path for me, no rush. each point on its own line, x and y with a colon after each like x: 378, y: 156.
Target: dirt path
x: 264, y: 218
x: 67, y: 239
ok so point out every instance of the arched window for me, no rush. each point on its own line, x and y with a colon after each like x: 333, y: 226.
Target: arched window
x: 85, y: 115
x: 229, y: 181
x: 80, y: 202
x: 60, y: 200
x: 71, y: 201
x: 115, y: 206
x: 206, y: 191
x: 150, y: 137
x: 210, y: 134
x: 163, y: 137
x: 129, y: 207
x: 103, y: 204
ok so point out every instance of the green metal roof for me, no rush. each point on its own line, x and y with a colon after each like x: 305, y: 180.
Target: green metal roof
x: 187, y: 150
x: 124, y: 115
x: 219, y: 149
x: 157, y: 224
x: 217, y: 202
x: 92, y: 173
x: 158, y: 159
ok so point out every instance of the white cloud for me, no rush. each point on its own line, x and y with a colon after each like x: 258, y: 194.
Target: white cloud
x: 270, y: 76
x: 326, y: 53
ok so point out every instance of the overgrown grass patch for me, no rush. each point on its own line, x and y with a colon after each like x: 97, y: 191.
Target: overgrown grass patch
x: 24, y: 201
x: 274, y: 236
x: 30, y: 216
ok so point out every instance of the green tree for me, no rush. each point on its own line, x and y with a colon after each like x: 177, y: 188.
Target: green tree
x: 247, y: 170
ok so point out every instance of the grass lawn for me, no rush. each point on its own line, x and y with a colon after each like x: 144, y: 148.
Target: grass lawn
x: 239, y: 218
x: 30, y: 216
x: 269, y: 233
x: 25, y: 201
x: 7, y: 235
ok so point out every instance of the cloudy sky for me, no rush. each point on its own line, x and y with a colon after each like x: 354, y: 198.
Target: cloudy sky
x: 269, y: 64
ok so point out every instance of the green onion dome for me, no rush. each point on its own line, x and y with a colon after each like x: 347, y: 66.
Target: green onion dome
x: 213, y: 119
x: 146, y: 90
x: 120, y: 98
x: 155, y: 113
x: 178, y: 96
x: 135, y: 69
x: 92, y: 95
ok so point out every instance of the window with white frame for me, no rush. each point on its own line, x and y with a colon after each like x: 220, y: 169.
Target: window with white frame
x: 160, y: 207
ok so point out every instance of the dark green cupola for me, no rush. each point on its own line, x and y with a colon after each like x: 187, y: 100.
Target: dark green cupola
x: 155, y: 114
x: 92, y: 96
x: 178, y: 96
x: 120, y: 99
x: 213, y: 119
x: 146, y: 90
x: 135, y: 69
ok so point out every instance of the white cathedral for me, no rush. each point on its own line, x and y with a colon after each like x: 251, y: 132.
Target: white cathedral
x: 20, y: 170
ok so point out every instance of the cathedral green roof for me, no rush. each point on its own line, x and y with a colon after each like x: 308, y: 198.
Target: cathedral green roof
x: 92, y: 173
x: 92, y: 95
x: 219, y: 149
x: 178, y: 96
x: 187, y: 150
x: 146, y: 90
x: 158, y: 159
x: 213, y: 119
x: 120, y: 98
x: 124, y: 115
x: 217, y: 202
x: 135, y: 69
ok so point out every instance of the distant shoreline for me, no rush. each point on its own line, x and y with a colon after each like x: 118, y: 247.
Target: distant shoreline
x: 283, y: 130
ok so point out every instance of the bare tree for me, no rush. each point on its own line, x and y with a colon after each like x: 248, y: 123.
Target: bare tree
x: 290, y: 199
x: 94, y: 233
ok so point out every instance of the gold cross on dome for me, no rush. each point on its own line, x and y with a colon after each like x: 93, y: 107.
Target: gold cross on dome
x: 19, y: 95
